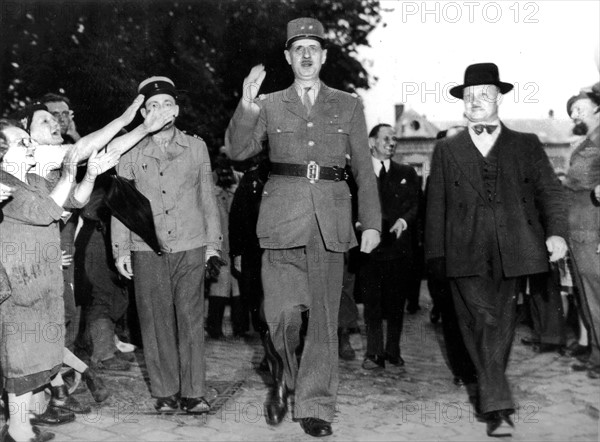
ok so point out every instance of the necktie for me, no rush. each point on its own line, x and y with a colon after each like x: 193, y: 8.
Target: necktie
x: 382, y: 173
x: 479, y: 128
x: 306, y: 100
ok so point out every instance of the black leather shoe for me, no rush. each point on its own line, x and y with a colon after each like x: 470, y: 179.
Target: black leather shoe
x: 195, y: 405
x: 345, y: 350
x: 594, y: 372
x: 316, y: 427
x: 548, y: 348
x: 578, y: 351
x: 397, y: 361
x: 499, y: 423
x: 373, y: 362
x: 584, y: 366
x: 52, y: 416
x: 276, y: 405
x: 169, y: 404
x: 95, y: 384
x: 529, y: 341
x: 458, y: 381
x: 60, y: 398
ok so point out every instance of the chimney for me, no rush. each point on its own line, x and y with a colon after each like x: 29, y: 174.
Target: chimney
x: 399, y: 108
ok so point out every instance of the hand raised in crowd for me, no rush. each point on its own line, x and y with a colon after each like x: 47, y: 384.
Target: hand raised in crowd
x: 123, y: 264
x: 369, y: 240
x: 98, y: 163
x: 156, y: 119
x: 557, y: 247
x: 5, y: 192
x: 251, y: 87
x: 129, y: 114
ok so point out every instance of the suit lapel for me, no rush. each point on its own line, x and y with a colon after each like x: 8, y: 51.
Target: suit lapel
x: 466, y: 157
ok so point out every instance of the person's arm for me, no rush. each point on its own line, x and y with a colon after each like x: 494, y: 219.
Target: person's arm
x: 100, y: 138
x: 435, y: 216
x: 154, y: 121
x: 247, y: 129
x: 369, y: 209
x: 97, y: 164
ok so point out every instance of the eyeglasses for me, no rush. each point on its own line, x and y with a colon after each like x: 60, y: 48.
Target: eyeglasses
x: 63, y: 114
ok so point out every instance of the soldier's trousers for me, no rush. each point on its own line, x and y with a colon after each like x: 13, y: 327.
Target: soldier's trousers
x: 169, y: 293
x: 305, y: 279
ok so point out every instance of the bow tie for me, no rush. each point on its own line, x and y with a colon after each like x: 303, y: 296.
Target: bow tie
x: 489, y: 128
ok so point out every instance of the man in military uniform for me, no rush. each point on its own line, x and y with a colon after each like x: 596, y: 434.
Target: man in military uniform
x: 305, y: 221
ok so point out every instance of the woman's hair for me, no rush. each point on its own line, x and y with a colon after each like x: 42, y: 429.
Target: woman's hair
x: 4, y: 123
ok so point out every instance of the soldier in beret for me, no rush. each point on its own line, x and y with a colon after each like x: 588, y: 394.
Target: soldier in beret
x: 305, y: 220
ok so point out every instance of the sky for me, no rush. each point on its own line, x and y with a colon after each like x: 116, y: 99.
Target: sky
x: 548, y: 49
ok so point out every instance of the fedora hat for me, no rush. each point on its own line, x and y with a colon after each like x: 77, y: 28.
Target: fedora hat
x: 481, y: 73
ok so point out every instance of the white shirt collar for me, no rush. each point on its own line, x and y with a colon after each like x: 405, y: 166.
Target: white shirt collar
x: 312, y: 93
x: 377, y: 165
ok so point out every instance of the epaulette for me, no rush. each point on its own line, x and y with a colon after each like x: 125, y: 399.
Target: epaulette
x: 354, y: 94
x: 262, y: 97
x: 190, y: 134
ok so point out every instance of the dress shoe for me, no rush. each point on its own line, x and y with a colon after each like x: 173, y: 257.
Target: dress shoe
x: 195, y: 405
x: 458, y: 381
x: 276, y: 405
x: 594, y: 372
x: 95, y: 384
x: 345, y: 350
x: 548, y: 348
x: 499, y: 423
x: 576, y: 350
x: 127, y: 357
x: 373, y: 362
x: 394, y: 360
x: 316, y: 427
x: 530, y: 341
x: 52, y: 416
x: 169, y: 404
x: 60, y: 398
x: 111, y: 364
x: 583, y: 366
x: 39, y: 435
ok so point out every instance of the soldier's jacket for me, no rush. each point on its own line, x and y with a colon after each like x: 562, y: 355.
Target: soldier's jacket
x: 335, y: 128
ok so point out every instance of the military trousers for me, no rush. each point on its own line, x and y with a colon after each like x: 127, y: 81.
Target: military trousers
x: 169, y: 294
x: 305, y: 282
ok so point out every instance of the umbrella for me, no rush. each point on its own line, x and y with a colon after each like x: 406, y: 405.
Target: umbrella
x: 133, y: 209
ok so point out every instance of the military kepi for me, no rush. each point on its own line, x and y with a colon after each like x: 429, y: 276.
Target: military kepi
x: 157, y: 85
x: 304, y: 27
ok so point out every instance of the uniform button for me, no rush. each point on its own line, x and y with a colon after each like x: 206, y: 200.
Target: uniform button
x: 278, y: 130
x: 169, y: 232
x: 164, y: 191
x: 339, y: 129
x: 311, y: 143
x: 167, y: 212
x: 161, y: 174
x: 309, y: 124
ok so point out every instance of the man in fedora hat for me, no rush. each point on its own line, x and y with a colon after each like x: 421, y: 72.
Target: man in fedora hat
x: 305, y: 220
x: 495, y: 212
x: 173, y: 171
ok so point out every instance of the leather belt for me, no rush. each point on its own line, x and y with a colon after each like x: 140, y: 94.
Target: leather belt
x: 312, y: 171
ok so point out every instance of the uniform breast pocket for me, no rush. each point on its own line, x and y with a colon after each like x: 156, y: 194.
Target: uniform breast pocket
x: 336, y: 139
x: 281, y: 138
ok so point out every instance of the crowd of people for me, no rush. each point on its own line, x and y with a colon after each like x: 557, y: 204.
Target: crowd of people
x: 302, y: 212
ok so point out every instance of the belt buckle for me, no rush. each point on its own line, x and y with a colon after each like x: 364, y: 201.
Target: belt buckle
x: 313, y: 172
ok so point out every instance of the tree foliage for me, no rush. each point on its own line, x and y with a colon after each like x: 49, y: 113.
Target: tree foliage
x: 96, y: 53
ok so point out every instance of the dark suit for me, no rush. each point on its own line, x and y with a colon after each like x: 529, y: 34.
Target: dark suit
x: 488, y: 219
x: 385, y: 274
x: 305, y: 227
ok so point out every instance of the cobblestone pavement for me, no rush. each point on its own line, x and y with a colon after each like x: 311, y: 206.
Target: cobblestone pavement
x: 417, y: 402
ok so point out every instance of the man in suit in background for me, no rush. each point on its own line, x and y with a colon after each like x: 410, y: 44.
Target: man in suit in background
x: 495, y: 211
x: 305, y: 220
x: 385, y: 274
